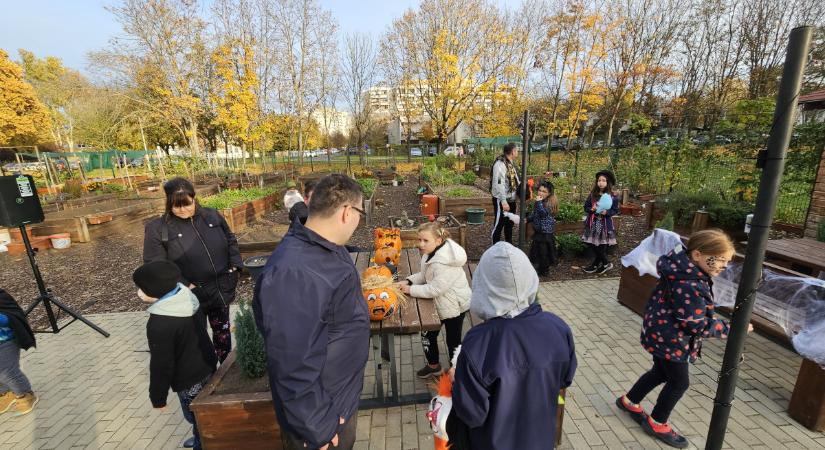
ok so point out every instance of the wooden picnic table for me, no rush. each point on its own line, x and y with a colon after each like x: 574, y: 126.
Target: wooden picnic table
x: 804, y: 252
x: 418, y: 315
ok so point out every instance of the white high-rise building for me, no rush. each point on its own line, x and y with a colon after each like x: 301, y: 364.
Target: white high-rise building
x: 331, y: 121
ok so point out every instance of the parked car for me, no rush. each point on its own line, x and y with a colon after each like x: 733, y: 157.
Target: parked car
x: 432, y: 151
x: 538, y: 148
x: 471, y: 149
x: 451, y: 151
x: 722, y: 139
x: 415, y: 151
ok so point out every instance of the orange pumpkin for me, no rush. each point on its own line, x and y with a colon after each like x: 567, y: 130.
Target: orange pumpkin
x: 381, y: 303
x: 386, y: 255
x: 381, y: 271
x: 387, y: 237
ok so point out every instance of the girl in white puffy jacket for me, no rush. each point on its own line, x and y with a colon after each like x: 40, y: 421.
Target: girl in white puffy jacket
x: 442, y: 279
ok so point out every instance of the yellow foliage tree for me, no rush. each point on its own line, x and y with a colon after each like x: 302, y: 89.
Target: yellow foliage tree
x: 23, y: 119
x: 237, y: 110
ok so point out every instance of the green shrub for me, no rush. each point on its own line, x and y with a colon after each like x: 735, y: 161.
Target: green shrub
x: 570, y: 244
x: 251, y: 349
x: 820, y: 231
x: 112, y: 188
x: 73, y: 188
x: 459, y: 192
x: 569, y: 212
x: 367, y: 185
x: 666, y: 223
x: 729, y: 215
x: 438, y: 176
x: 230, y: 198
x: 468, y: 178
x: 683, y: 205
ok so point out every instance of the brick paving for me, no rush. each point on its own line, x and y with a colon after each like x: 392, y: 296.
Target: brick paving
x: 94, y: 391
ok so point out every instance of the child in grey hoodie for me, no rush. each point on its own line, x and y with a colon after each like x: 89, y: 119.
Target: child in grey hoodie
x: 181, y: 354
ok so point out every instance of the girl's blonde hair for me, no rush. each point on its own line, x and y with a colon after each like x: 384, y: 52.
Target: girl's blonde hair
x: 436, y: 229
x: 712, y: 241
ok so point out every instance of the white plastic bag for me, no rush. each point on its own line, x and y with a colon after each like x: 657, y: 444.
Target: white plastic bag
x: 645, y: 255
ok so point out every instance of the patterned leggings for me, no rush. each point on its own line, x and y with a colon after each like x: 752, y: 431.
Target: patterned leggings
x: 221, y: 335
x: 186, y: 396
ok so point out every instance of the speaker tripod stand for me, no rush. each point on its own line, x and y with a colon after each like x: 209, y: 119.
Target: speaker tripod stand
x: 48, y: 299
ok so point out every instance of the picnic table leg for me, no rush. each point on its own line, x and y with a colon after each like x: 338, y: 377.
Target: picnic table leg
x: 385, y: 353
x: 379, y: 380
x: 393, y: 370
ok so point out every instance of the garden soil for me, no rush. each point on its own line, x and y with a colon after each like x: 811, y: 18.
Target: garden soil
x: 96, y: 277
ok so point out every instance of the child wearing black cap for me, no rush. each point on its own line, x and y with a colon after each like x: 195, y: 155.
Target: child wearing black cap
x: 599, y: 232
x: 181, y: 354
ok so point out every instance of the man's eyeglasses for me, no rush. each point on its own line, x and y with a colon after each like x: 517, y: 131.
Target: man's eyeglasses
x: 360, y: 211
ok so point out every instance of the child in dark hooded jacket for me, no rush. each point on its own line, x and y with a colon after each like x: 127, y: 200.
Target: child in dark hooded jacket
x: 678, y: 316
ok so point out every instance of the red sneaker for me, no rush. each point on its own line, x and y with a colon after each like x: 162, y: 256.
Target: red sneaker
x: 637, y: 413
x: 664, y: 432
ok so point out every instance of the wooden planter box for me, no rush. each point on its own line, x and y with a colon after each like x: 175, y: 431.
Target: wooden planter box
x: 231, y: 421
x: 409, y: 236
x: 241, y: 216
x: 369, y: 206
x: 457, y: 205
x: 635, y: 289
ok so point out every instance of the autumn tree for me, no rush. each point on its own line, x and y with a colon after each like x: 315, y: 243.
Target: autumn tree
x: 456, y: 50
x: 359, y: 73
x: 23, y: 118
x: 163, y: 54
x: 237, y: 105
x: 60, y: 89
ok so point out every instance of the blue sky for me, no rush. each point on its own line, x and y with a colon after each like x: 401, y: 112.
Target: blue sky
x: 71, y: 29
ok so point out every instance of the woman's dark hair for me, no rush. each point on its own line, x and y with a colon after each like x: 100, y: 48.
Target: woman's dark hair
x: 179, y: 192
x: 551, y: 202
x: 596, y: 192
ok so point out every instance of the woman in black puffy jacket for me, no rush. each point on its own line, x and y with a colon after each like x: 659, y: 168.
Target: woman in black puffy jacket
x: 198, y: 240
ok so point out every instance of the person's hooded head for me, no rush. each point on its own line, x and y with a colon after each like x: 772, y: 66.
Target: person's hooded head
x: 504, y: 283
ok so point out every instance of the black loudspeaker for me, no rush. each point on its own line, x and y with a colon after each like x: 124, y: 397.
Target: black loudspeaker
x: 19, y: 203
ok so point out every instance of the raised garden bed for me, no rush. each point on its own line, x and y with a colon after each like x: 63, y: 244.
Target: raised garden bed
x: 369, y: 186
x: 233, y: 411
x: 242, y: 207
x: 409, y: 228
x: 455, y: 199
x: 261, y: 241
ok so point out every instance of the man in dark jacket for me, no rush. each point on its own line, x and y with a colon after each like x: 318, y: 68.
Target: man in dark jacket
x: 310, y: 309
x: 512, y: 367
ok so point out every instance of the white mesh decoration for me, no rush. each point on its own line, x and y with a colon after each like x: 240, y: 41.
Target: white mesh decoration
x: 796, y: 304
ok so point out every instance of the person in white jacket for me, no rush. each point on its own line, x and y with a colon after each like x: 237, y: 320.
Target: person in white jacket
x: 442, y: 279
x: 504, y: 183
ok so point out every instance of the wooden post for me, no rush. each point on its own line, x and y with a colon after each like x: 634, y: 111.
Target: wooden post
x: 625, y: 196
x: 651, y: 207
x: 700, y: 221
x: 49, y: 180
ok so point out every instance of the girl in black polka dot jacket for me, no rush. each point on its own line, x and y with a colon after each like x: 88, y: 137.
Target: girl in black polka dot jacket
x: 679, y: 315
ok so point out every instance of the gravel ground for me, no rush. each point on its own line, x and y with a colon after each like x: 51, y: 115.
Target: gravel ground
x: 96, y: 277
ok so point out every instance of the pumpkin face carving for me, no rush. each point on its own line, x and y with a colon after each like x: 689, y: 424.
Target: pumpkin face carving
x: 381, y: 271
x: 386, y: 255
x: 381, y: 303
x: 387, y: 237
x: 382, y: 296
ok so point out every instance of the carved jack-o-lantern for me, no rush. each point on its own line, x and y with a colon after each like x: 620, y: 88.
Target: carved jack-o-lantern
x: 386, y: 255
x: 381, y: 303
x: 382, y: 297
x: 382, y: 271
x: 387, y: 237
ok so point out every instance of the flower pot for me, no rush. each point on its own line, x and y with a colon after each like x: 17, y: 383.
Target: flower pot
x: 475, y: 216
